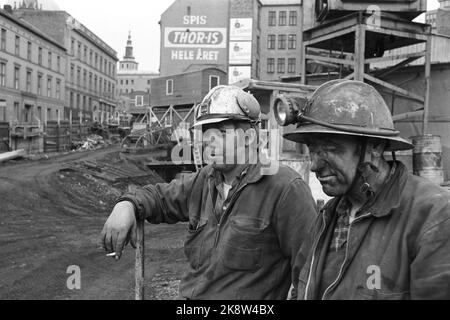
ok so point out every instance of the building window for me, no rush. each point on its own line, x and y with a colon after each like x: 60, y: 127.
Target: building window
x: 282, y: 18
x: 58, y: 89
x: 79, y: 51
x: 49, y: 87
x: 85, y: 54
x: 71, y: 100
x: 50, y: 60
x: 257, y: 68
x: 292, y: 18
x: 40, y: 56
x: 39, y: 84
x: 17, y: 46
x: 29, y: 51
x: 3, y: 40
x: 126, y: 82
x: 90, y: 80
x: 78, y: 76
x: 95, y: 83
x: 258, y: 44
x: 39, y: 112
x: 84, y: 78
x: 291, y: 65
x: 2, y: 110
x: 72, y: 47
x: 139, y: 101
x: 3, y: 74
x: 58, y: 63
x: 281, y: 65
x: 271, y: 41
x: 17, y: 111
x: 270, y: 65
x: 292, y: 41
x: 72, y: 72
x: 29, y: 80
x: 169, y: 87
x: 78, y: 102
x: 272, y: 18
x: 281, y: 41
x: 148, y: 82
x: 214, y: 81
x: 16, y: 77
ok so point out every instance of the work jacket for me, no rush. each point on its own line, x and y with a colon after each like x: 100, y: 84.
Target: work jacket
x: 247, y: 252
x: 398, y: 247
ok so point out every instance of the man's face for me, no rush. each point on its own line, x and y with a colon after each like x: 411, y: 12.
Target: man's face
x: 220, y: 146
x: 334, y: 160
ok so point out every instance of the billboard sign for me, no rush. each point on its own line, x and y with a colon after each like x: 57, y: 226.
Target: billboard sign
x: 241, y: 29
x: 240, y: 52
x: 238, y: 73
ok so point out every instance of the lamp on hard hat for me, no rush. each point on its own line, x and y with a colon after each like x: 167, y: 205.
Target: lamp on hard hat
x: 342, y: 107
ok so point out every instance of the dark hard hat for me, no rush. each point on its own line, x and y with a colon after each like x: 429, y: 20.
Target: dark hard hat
x: 347, y: 107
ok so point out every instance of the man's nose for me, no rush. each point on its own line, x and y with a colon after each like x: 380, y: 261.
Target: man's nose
x: 316, y: 162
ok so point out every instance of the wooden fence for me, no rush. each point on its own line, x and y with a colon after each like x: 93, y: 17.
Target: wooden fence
x: 59, y: 137
x: 4, y: 137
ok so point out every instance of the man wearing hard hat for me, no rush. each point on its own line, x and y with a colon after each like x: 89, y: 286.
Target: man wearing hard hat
x: 386, y: 233
x: 244, y: 229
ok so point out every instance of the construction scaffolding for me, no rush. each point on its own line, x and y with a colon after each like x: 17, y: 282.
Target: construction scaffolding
x: 353, y: 42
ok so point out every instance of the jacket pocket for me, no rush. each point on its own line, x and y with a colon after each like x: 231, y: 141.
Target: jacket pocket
x: 243, y: 248
x: 193, y: 244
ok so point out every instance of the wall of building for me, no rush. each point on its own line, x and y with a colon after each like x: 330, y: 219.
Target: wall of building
x: 439, y: 112
x: 188, y: 88
x: 292, y: 33
x: 194, y: 32
x: 128, y: 82
x: 91, y: 68
x: 30, y: 101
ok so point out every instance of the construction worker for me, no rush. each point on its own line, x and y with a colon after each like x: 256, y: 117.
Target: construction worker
x: 244, y: 229
x: 386, y: 233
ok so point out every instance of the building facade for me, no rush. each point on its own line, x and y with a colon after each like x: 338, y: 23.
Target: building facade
x: 91, y: 65
x: 245, y: 38
x: 281, y: 39
x: 32, y: 73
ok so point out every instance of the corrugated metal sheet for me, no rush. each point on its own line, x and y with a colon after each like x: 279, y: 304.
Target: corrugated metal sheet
x: 440, y: 52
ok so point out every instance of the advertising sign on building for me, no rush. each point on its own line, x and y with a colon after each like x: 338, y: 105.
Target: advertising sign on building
x: 241, y: 29
x: 194, y: 34
x: 240, y: 53
x: 238, y: 73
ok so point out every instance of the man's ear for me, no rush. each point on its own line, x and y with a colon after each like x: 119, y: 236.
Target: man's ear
x: 378, y: 147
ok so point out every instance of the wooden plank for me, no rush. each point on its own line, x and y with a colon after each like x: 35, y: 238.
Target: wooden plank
x: 427, y: 85
x: 360, y: 45
x: 12, y: 155
x: 332, y: 35
x: 397, y: 57
x: 394, y: 68
x: 407, y: 115
x: 392, y: 87
x: 329, y: 59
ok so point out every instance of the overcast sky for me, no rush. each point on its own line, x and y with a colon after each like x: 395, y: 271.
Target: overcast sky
x: 111, y: 20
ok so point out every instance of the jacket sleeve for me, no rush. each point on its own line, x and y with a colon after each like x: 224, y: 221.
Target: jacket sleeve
x: 164, y: 202
x: 296, y: 212
x: 430, y: 270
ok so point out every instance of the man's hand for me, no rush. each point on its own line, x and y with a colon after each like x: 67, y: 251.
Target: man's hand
x: 119, y: 229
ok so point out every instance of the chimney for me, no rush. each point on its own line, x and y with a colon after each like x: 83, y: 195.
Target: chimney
x: 8, y: 8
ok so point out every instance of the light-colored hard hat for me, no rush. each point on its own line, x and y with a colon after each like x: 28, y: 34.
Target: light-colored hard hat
x: 224, y: 103
x: 346, y: 107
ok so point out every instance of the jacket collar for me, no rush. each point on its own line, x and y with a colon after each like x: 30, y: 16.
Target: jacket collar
x: 388, y: 197
x: 251, y: 173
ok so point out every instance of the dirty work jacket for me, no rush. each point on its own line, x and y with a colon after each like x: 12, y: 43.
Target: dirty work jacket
x: 398, y: 248
x: 249, y: 253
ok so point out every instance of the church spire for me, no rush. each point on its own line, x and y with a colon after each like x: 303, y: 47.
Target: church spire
x: 129, y: 48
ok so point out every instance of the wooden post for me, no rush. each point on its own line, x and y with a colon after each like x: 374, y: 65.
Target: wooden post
x: 139, y: 261
x: 360, y: 41
x: 427, y: 85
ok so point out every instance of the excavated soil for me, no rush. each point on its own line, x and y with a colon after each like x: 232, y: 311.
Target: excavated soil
x: 51, y: 219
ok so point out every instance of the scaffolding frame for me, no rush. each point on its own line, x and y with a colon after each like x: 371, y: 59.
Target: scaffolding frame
x: 357, y: 36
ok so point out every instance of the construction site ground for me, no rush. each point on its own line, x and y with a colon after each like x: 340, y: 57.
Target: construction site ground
x: 51, y: 219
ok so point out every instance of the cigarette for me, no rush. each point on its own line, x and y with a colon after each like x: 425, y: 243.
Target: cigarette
x: 113, y: 254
